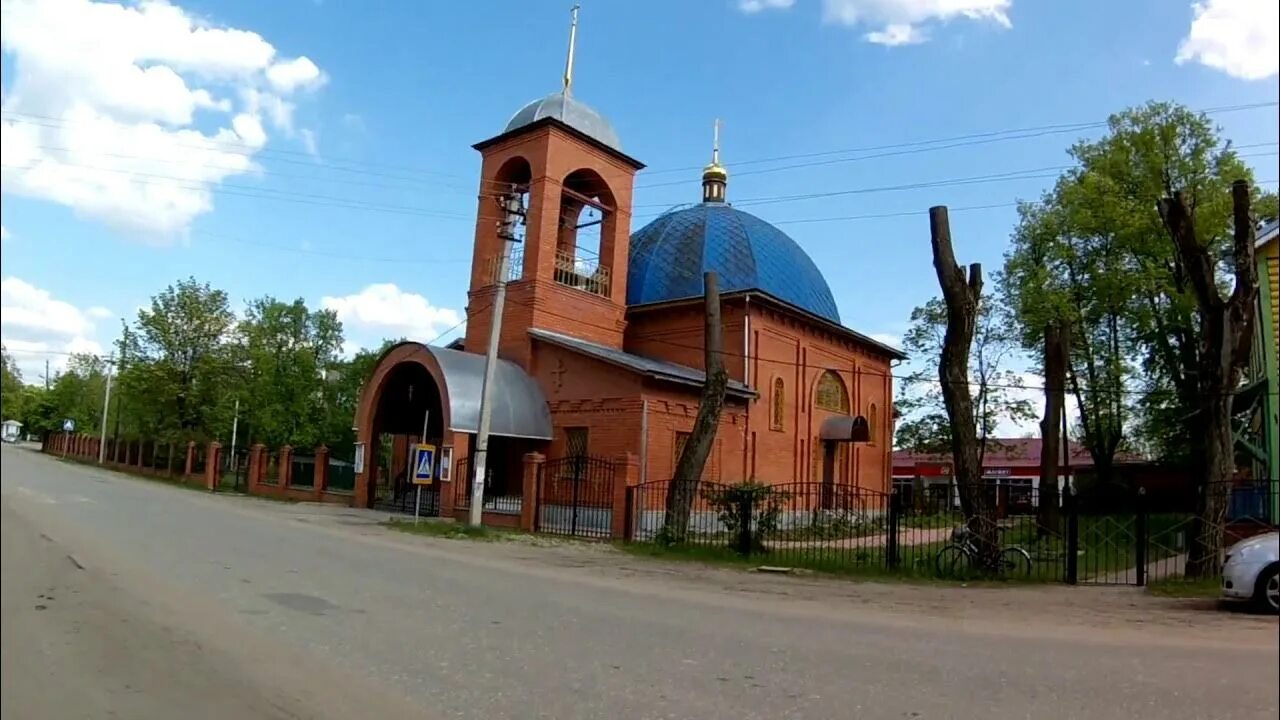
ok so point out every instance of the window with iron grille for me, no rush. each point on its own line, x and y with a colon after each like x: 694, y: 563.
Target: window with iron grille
x: 575, y: 442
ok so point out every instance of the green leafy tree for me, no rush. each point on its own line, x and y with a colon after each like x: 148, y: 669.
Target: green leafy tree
x: 1062, y: 270
x: 1095, y: 255
x: 289, y: 355
x: 998, y: 391
x: 180, y: 374
x: 11, y: 387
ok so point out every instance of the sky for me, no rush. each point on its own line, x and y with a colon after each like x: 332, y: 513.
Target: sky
x: 322, y: 148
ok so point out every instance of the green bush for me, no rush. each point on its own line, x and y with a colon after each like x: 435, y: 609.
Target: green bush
x: 750, y: 511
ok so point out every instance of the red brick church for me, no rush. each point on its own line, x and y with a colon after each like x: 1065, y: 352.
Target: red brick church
x: 602, y: 346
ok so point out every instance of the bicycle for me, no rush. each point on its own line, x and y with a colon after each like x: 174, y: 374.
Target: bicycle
x: 962, y: 555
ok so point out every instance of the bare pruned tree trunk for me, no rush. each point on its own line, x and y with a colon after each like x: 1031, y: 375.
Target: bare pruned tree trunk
x: 1226, y: 339
x: 961, y: 296
x: 1057, y: 345
x: 693, y: 458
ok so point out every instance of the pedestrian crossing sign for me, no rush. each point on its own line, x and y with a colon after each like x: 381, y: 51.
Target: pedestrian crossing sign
x: 424, y: 464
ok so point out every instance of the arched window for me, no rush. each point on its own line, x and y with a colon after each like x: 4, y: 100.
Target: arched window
x: 871, y: 424
x: 778, y: 410
x: 831, y: 395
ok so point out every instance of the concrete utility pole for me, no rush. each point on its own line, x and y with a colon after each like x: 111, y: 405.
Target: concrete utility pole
x: 513, y: 212
x: 106, y: 404
x: 235, y: 426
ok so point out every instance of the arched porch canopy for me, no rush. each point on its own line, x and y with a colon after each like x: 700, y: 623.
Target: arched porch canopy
x: 519, y: 407
x: 845, y: 428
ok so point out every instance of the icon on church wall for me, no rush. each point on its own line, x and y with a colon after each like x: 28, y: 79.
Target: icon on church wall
x: 446, y: 460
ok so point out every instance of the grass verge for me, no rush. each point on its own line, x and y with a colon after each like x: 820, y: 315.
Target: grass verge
x: 451, y: 530
x: 1183, y: 588
x: 863, y: 569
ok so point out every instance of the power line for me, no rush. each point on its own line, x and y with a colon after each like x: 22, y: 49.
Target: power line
x: 870, y: 373
x: 262, y: 193
x: 257, y: 171
x: 904, y: 148
x: 406, y: 259
x: 737, y: 355
x: 1018, y: 133
x: 210, y: 143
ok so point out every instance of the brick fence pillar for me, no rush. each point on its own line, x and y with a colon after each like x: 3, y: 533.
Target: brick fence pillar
x: 212, y: 471
x: 254, y: 471
x: 284, y: 466
x: 321, y: 482
x: 626, y: 475
x: 529, y: 490
x: 190, y: 461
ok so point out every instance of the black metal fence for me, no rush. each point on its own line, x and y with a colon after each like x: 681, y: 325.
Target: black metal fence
x: 302, y: 471
x: 395, y: 493
x: 575, y: 497
x: 1024, y: 534
x: 342, y: 475
x: 502, y: 495
x: 234, y: 472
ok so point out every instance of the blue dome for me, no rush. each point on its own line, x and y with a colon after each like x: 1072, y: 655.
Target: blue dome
x: 670, y: 254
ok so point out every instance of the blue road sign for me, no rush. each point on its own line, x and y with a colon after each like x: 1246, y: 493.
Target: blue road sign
x: 424, y: 464
x: 68, y: 425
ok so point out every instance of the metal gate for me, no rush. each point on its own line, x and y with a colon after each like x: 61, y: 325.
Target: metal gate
x: 398, y: 495
x: 1134, y: 538
x: 575, y: 497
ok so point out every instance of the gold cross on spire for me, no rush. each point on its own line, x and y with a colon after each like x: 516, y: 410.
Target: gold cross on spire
x: 715, y: 143
x: 568, y: 61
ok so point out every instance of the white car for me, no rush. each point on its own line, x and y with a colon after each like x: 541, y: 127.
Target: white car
x: 1252, y: 571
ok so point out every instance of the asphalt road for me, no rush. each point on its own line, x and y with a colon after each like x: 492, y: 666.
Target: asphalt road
x: 128, y: 598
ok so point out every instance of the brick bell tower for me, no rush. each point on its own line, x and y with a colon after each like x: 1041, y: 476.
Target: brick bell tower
x: 569, y: 273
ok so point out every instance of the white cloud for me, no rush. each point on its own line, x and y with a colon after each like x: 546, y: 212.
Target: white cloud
x: 897, y: 34
x: 299, y: 72
x: 99, y: 312
x: 755, y: 6
x: 4, y: 233
x: 309, y: 142
x: 383, y: 310
x: 1238, y: 37
x: 35, y: 326
x: 888, y: 339
x: 899, y: 21
x: 132, y: 113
